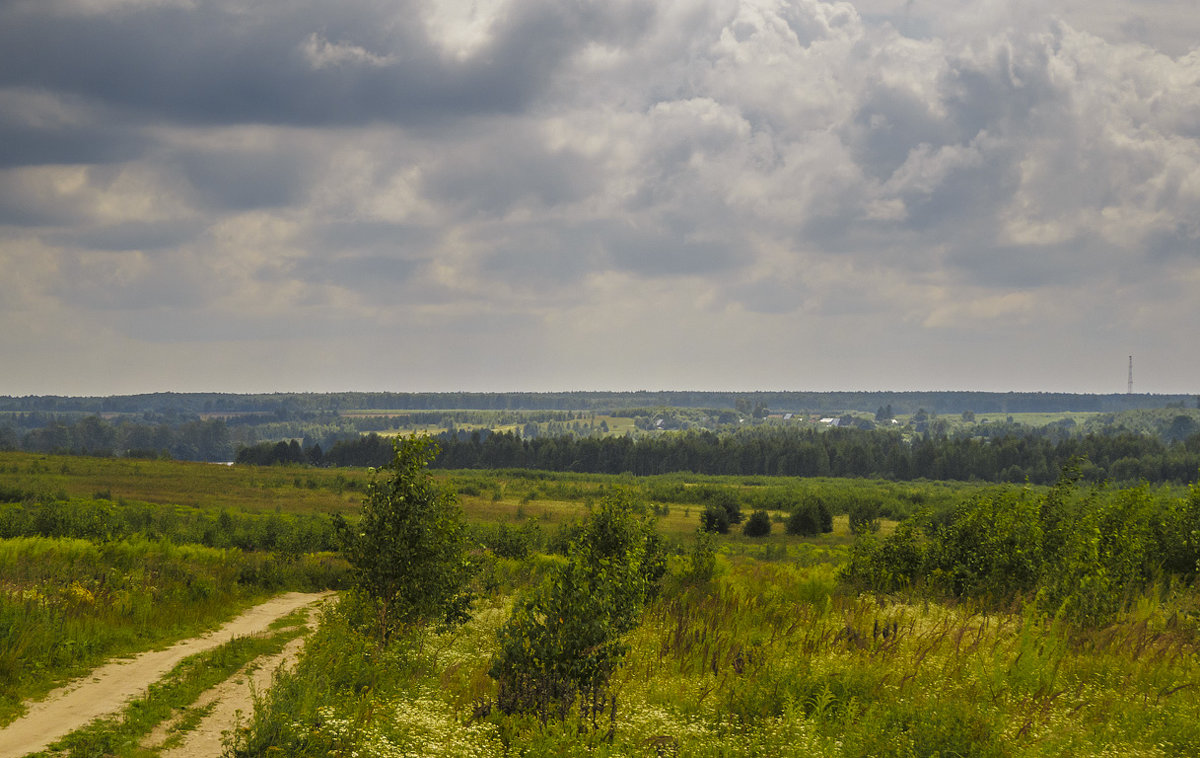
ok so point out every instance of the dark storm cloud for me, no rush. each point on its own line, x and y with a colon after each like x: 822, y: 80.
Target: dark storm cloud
x: 734, y: 173
x: 291, y: 62
x: 369, y: 237
x: 507, y: 169
x: 26, y: 144
x: 1033, y: 266
x: 667, y: 251
x: 563, y: 255
x: 244, y: 179
x: 129, y: 235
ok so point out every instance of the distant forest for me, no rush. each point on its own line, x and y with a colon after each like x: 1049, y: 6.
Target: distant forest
x: 1137, y: 437
x: 1034, y: 457
x: 286, y: 405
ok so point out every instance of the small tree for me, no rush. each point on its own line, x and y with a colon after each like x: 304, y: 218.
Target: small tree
x: 701, y: 564
x: 810, y: 518
x: 407, y: 553
x: 727, y: 501
x: 758, y: 525
x: 564, y: 640
x: 864, y: 517
x: 714, y: 518
x: 804, y: 521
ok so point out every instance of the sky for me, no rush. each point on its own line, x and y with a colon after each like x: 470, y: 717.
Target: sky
x: 554, y: 195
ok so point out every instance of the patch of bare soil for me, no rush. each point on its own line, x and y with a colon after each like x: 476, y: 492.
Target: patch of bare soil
x: 226, y: 701
x: 108, y: 688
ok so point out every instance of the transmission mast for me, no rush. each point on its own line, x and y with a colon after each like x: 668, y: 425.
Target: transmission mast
x: 1129, y: 389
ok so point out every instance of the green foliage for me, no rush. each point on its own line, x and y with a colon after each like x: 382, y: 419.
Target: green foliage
x: 702, y: 559
x: 809, y: 518
x: 714, y: 518
x: 124, y: 734
x: 103, y: 519
x: 864, y: 517
x: 408, y: 551
x: 1079, y: 553
x: 565, y: 639
x: 518, y: 542
x: 66, y: 604
x: 771, y: 659
x: 758, y: 525
x: 727, y: 500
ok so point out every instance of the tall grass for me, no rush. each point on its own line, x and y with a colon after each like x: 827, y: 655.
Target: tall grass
x: 774, y: 658
x: 66, y: 604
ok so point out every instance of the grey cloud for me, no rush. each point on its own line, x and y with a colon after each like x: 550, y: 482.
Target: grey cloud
x: 1174, y: 242
x: 540, y: 258
x: 662, y: 252
x: 688, y: 147
x: 128, y: 236
x: 1079, y: 262
x: 495, y: 174
x: 245, y: 179
x: 547, y: 256
x: 128, y: 281
x: 25, y: 145
x: 23, y: 204
x: 217, y: 64
x: 967, y: 196
x: 773, y: 296
x: 374, y: 280
x: 890, y: 123
x: 366, y: 236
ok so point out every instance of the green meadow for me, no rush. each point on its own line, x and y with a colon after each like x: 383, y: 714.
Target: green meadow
x: 928, y: 621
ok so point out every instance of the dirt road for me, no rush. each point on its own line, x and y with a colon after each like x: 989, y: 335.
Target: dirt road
x: 108, y: 688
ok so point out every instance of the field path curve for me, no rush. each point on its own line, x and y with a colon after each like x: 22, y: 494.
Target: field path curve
x: 108, y: 688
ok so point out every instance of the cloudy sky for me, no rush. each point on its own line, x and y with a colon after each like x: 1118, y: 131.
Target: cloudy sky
x: 279, y: 195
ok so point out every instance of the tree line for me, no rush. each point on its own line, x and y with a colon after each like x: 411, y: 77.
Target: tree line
x: 193, y: 440
x: 1032, y: 457
x: 290, y: 405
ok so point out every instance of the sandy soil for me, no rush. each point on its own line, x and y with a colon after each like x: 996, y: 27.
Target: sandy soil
x: 227, y: 699
x: 108, y: 688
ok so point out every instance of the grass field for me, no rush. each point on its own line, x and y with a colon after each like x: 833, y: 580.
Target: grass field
x: 773, y: 655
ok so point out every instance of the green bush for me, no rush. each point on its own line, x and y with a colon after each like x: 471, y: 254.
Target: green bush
x: 864, y: 517
x: 810, y: 518
x: 758, y: 525
x: 563, y: 641
x: 1079, y: 553
x: 408, y: 552
x: 715, y: 519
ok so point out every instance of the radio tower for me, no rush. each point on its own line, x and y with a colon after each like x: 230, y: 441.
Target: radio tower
x: 1129, y: 389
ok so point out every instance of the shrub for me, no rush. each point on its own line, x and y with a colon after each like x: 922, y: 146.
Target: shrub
x: 408, y: 551
x: 803, y: 522
x: 810, y: 518
x: 714, y: 519
x: 758, y: 525
x: 727, y: 501
x: 864, y: 517
x: 564, y: 641
x: 702, y: 560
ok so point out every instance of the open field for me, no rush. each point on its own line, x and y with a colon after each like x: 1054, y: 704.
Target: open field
x: 486, y: 496
x: 775, y: 653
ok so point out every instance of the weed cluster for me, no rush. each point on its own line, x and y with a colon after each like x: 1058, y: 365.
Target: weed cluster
x: 1081, y: 553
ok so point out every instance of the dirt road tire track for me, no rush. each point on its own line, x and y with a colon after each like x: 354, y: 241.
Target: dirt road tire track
x: 228, y: 698
x: 108, y: 688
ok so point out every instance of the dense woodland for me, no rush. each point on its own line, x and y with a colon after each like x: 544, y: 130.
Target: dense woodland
x: 1033, y: 457
x: 1161, y: 445
x: 288, y: 405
